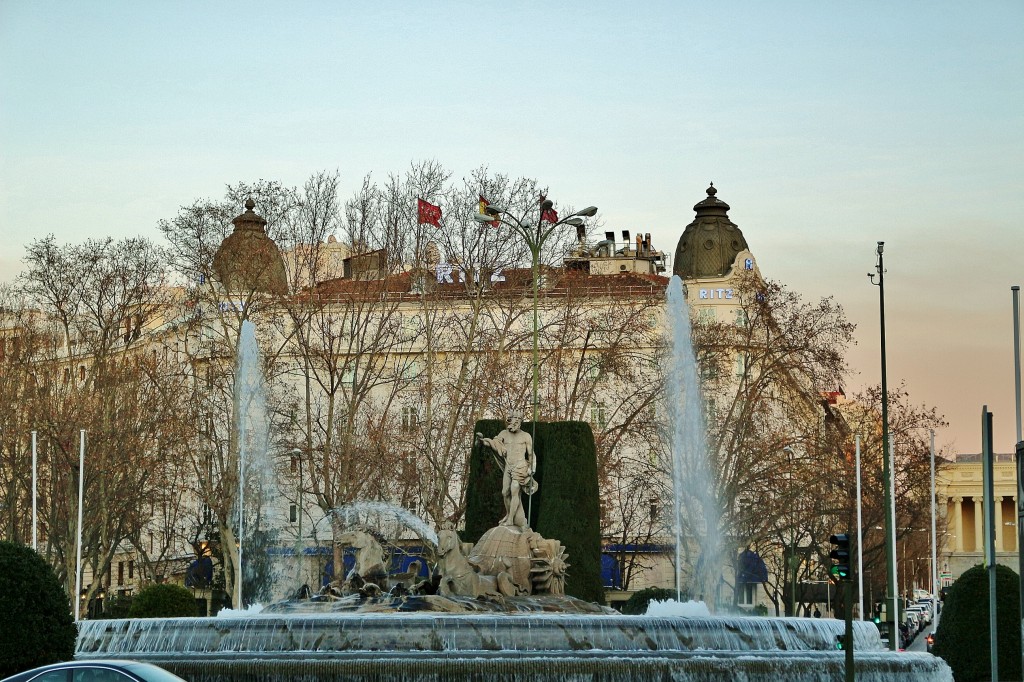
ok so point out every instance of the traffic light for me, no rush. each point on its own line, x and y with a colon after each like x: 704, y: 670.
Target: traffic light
x: 840, y: 641
x: 840, y: 556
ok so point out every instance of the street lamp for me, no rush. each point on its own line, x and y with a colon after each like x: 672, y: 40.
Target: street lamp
x: 793, y: 563
x: 892, y: 615
x: 297, y: 454
x: 535, y: 234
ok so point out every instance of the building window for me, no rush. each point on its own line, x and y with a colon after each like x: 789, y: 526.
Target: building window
x: 411, y: 370
x: 293, y: 513
x: 598, y: 416
x: 709, y: 370
x: 131, y: 566
x: 707, y: 315
x: 741, y: 365
x: 741, y: 318
x: 81, y: 372
x: 120, y: 573
x: 710, y: 409
x: 747, y: 594
x: 410, y: 418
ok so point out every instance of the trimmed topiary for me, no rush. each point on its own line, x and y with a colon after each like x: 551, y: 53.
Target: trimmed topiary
x: 36, y: 627
x: 638, y: 603
x: 568, y: 505
x: 962, y: 636
x: 163, y: 601
x: 116, y: 606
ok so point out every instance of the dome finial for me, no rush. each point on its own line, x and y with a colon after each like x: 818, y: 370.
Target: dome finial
x: 711, y: 190
x: 250, y: 204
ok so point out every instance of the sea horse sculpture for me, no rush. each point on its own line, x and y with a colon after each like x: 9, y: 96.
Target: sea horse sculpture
x: 459, y: 577
x: 370, y: 566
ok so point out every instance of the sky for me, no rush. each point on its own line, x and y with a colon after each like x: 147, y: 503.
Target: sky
x: 826, y: 126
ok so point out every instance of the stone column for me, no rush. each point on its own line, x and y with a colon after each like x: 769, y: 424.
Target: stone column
x: 1016, y: 537
x: 958, y: 524
x: 998, y: 518
x: 979, y: 524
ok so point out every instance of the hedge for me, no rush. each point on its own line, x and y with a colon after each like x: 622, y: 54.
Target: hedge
x: 36, y: 627
x: 962, y: 638
x: 163, y: 601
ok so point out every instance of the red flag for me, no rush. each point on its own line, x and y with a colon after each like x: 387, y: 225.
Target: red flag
x: 483, y: 211
x: 427, y: 213
x: 550, y: 215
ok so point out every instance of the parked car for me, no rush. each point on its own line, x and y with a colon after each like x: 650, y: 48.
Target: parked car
x: 96, y: 671
x: 923, y: 613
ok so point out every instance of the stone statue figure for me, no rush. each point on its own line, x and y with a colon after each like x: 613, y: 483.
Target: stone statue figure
x: 515, y: 447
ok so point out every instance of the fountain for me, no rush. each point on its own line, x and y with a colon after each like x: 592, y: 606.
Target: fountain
x: 495, y: 610
x: 693, y: 483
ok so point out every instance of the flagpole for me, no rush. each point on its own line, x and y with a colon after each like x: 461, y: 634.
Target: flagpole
x: 860, y: 540
x: 78, y: 551
x: 35, y: 488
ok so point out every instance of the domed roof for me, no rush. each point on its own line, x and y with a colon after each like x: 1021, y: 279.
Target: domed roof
x: 249, y: 260
x: 710, y: 243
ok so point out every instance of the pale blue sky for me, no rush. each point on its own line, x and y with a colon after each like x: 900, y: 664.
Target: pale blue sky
x: 826, y: 126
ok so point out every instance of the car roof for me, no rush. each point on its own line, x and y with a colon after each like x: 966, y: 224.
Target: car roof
x: 122, y: 665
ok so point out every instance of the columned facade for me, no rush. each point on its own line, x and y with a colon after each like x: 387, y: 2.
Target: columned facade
x: 961, y: 494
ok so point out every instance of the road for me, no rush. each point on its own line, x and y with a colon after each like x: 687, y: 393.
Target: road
x: 919, y: 643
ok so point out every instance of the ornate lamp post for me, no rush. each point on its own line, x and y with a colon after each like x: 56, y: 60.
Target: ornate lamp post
x: 535, y: 234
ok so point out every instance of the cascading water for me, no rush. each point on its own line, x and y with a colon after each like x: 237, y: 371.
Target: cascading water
x: 257, y: 492
x: 694, y: 482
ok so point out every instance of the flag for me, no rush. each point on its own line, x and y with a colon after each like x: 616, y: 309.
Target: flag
x: 483, y: 211
x: 427, y: 213
x: 550, y: 215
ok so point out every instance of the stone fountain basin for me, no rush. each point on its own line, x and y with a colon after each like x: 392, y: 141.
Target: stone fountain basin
x: 495, y: 647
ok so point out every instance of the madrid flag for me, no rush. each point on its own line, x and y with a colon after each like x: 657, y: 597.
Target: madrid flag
x: 427, y: 213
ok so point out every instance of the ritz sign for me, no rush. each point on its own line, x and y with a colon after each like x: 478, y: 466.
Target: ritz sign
x: 446, y: 270
x: 715, y: 293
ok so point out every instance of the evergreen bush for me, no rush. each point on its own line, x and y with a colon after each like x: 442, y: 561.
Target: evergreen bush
x: 36, y: 626
x: 163, y: 601
x: 116, y: 607
x: 568, y: 506
x: 637, y: 604
x: 962, y: 638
